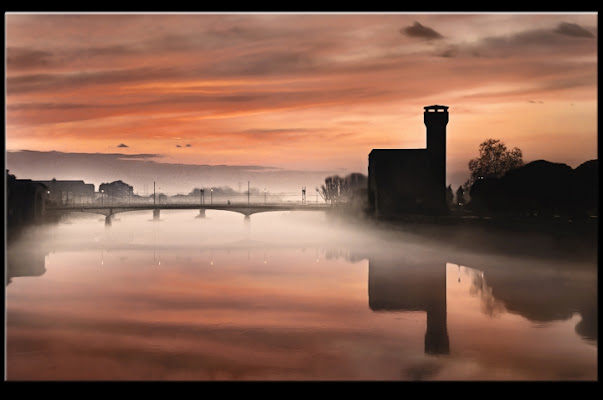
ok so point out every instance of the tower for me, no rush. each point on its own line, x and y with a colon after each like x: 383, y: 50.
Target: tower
x: 436, y: 119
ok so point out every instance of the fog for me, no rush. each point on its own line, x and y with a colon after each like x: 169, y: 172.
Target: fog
x: 295, y: 295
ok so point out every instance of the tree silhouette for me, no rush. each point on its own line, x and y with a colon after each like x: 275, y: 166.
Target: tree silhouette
x: 460, y: 196
x: 331, y: 189
x: 493, y: 162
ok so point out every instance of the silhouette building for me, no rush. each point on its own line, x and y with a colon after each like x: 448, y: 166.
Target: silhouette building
x: 69, y: 192
x: 25, y: 201
x: 411, y: 181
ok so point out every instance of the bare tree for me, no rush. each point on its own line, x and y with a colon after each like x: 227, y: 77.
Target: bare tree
x: 493, y: 162
x: 337, y: 189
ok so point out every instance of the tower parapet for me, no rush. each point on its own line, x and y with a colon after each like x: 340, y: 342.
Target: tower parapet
x: 435, y: 114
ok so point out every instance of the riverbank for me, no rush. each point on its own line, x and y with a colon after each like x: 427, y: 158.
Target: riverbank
x: 543, y: 238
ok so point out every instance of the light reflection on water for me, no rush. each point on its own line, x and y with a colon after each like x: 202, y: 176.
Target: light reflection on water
x: 288, y: 296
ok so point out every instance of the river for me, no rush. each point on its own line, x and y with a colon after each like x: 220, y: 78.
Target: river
x: 287, y: 296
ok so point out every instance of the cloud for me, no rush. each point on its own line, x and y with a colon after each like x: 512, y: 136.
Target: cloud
x: 23, y: 58
x: 143, y: 169
x: 529, y: 42
x: 123, y: 145
x: 449, y: 52
x: 575, y: 30
x: 421, y: 31
x: 50, y: 82
x: 178, y: 145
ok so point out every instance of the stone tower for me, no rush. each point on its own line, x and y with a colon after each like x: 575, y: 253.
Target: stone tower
x: 436, y: 119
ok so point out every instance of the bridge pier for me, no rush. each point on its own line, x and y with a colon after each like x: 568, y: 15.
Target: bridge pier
x: 108, y: 220
x: 156, y: 214
x: 247, y: 219
x: 201, y: 213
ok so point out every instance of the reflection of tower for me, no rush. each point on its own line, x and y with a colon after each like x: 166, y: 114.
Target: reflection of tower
x: 396, y: 286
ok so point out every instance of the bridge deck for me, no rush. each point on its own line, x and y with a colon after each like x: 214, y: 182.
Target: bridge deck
x: 246, y: 209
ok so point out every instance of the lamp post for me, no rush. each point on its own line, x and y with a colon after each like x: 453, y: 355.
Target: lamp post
x: 201, y: 195
x: 211, y: 196
x: 102, y: 197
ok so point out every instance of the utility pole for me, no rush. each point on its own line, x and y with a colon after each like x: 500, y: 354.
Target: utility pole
x: 154, y: 203
x: 247, y: 192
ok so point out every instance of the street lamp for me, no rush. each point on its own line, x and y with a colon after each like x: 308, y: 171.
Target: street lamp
x: 211, y: 196
x: 102, y: 197
x: 201, y: 195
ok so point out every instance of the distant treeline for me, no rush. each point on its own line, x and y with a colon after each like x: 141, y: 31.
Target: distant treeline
x: 540, y: 188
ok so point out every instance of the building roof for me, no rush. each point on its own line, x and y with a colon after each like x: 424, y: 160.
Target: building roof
x: 398, y: 151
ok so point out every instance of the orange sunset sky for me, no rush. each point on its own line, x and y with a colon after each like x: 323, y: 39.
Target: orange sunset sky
x: 300, y: 91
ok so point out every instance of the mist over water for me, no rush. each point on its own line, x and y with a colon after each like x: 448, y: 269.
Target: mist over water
x: 287, y: 296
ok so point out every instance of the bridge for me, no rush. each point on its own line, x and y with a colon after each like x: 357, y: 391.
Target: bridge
x: 246, y: 209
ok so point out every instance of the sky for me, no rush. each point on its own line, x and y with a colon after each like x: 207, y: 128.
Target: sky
x: 303, y: 92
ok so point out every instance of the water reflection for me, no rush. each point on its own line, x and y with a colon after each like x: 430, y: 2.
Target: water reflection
x: 24, y: 261
x: 287, y: 298
x: 396, y: 283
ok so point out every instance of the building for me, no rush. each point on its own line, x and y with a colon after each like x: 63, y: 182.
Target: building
x: 411, y: 181
x: 69, y: 192
x: 25, y: 201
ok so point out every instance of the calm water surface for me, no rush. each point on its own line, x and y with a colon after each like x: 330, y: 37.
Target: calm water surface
x: 287, y: 296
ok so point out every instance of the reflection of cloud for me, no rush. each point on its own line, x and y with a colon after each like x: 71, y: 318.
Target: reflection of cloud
x: 569, y: 29
x: 489, y: 304
x: 421, y: 372
x: 420, y: 31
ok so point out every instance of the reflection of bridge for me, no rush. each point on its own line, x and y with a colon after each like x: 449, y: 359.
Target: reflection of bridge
x: 245, y: 209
